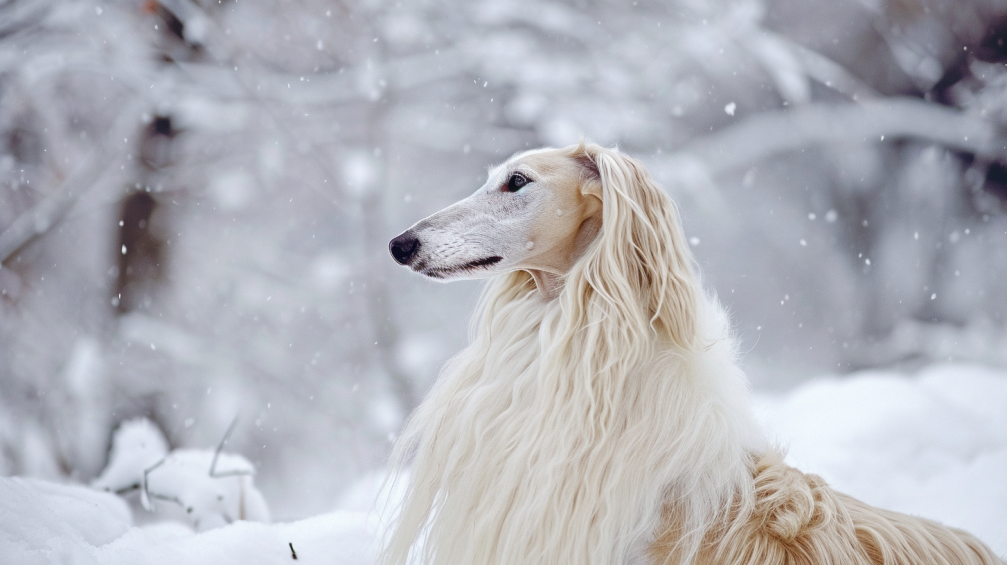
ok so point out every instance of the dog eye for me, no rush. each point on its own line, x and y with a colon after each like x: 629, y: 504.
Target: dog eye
x: 516, y: 182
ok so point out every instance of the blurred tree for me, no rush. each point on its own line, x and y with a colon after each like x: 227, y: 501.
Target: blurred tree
x: 840, y: 167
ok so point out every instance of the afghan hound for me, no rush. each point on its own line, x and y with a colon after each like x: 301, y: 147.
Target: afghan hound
x: 598, y: 415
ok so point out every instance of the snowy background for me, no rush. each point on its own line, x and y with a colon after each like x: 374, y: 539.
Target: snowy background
x: 196, y: 197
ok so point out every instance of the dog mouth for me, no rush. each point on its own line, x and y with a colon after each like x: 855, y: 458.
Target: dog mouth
x: 445, y: 272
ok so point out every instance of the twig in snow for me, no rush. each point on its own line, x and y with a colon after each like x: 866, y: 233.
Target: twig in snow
x: 144, y: 493
x: 216, y: 455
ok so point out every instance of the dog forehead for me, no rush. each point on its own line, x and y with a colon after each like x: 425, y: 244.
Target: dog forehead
x: 544, y: 162
x: 537, y: 162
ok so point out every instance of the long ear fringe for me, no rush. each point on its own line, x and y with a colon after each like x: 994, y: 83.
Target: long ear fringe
x: 640, y: 267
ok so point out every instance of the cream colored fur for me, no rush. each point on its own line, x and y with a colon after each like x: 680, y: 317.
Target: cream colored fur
x: 598, y: 416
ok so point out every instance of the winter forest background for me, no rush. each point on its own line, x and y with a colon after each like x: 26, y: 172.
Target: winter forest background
x: 196, y: 198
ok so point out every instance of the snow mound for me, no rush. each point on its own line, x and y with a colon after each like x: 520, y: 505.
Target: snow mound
x: 44, y: 522
x: 336, y: 538
x: 213, y: 488
x: 932, y: 445
x: 48, y: 523
x: 136, y: 445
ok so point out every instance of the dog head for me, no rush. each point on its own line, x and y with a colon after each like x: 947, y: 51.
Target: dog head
x: 585, y: 218
x: 538, y: 211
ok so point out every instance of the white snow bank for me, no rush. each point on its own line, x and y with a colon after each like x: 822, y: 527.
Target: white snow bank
x: 336, y: 538
x: 137, y: 445
x: 934, y: 444
x: 43, y: 522
x: 48, y: 523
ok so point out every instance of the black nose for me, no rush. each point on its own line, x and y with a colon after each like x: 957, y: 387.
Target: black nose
x: 404, y: 248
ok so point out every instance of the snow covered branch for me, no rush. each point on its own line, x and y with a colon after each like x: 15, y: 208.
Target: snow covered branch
x: 188, y: 477
x: 764, y: 135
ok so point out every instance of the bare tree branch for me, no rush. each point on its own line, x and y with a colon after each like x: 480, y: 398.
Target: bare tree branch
x: 145, y: 493
x: 216, y: 454
x: 47, y: 213
x: 765, y: 135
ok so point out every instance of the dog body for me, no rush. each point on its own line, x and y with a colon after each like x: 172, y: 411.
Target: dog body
x: 598, y: 415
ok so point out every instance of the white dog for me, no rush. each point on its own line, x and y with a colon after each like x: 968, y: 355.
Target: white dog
x: 598, y: 416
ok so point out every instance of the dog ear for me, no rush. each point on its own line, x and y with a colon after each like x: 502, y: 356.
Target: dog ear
x: 590, y: 182
x: 590, y: 177
x: 642, y: 261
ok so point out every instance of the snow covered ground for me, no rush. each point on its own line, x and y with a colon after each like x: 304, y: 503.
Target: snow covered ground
x: 931, y: 444
x: 43, y: 523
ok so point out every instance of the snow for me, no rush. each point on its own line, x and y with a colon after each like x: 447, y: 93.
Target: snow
x: 211, y: 498
x: 43, y: 522
x: 932, y: 444
x: 212, y: 487
x: 136, y: 445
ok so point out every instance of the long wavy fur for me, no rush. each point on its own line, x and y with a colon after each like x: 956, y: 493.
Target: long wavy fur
x: 609, y: 425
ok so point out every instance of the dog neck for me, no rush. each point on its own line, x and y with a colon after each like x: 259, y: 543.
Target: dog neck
x: 548, y: 284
